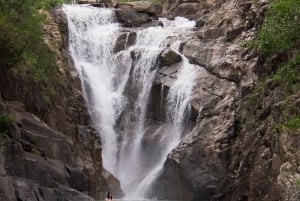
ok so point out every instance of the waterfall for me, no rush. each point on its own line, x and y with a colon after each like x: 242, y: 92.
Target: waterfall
x: 117, y: 88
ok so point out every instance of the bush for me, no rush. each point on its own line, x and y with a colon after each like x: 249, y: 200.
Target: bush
x: 21, y: 40
x: 281, y: 27
x: 288, y: 73
x: 293, y: 122
x: 6, y: 120
x: 23, y: 50
x: 48, y: 4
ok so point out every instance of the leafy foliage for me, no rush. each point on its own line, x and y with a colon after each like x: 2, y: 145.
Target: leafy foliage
x: 6, y: 120
x: 279, y: 34
x: 47, y: 4
x: 23, y: 49
x: 293, y: 122
x: 281, y: 27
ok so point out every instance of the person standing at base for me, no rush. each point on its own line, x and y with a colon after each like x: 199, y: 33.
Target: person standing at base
x: 109, y: 197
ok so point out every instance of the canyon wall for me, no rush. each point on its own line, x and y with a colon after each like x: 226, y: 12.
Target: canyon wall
x: 49, y: 148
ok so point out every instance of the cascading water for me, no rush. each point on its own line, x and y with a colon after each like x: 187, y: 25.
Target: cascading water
x: 117, y: 88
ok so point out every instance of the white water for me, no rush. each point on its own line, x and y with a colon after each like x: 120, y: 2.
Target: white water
x: 117, y: 90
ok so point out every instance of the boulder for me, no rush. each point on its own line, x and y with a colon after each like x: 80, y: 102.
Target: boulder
x: 167, y: 74
x: 113, y: 184
x: 168, y: 57
x: 142, y: 6
x: 130, y: 18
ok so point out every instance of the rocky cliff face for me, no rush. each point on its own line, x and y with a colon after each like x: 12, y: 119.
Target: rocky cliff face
x: 238, y: 149
x: 235, y: 151
x: 49, y: 150
x: 200, y: 162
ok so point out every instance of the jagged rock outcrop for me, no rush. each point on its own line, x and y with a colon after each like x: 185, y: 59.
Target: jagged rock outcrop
x: 226, y: 70
x: 34, y: 156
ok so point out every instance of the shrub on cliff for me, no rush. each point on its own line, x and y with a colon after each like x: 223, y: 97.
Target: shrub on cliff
x: 281, y: 27
x: 21, y: 40
x: 6, y: 120
x: 279, y: 35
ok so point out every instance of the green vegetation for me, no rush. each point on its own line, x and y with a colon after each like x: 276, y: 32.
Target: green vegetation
x: 21, y: 38
x: 279, y: 36
x: 47, y: 4
x: 281, y: 27
x: 23, y: 50
x: 297, y: 183
x: 6, y: 120
x: 292, y: 123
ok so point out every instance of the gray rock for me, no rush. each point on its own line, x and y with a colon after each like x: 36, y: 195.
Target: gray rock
x: 130, y: 18
x: 124, y: 41
x: 77, y: 179
x: 154, y: 23
x: 142, y: 6
x: 44, y: 157
x: 211, y: 33
x: 113, y: 184
x: 28, y: 190
x: 200, y: 22
x: 168, y: 57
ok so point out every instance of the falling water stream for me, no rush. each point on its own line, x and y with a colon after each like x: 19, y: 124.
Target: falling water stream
x: 117, y: 88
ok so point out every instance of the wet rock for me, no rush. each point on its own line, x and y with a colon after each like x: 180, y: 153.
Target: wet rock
x: 124, y: 41
x: 142, y: 6
x: 195, y: 166
x: 177, y: 187
x: 130, y: 18
x: 154, y: 23
x: 113, y: 184
x: 168, y: 57
x: 167, y: 75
